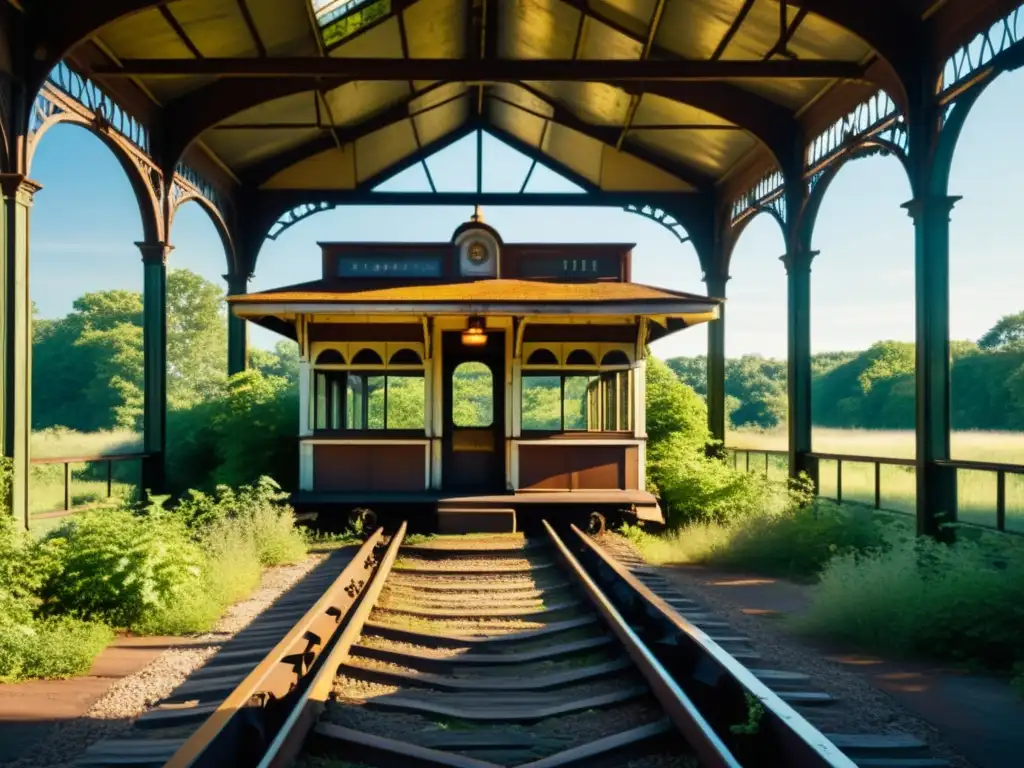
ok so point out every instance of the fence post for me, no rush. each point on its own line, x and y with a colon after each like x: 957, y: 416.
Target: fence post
x: 878, y: 485
x: 1000, y: 500
x: 67, y: 485
x: 766, y: 463
x: 748, y: 460
x: 839, y: 481
x: 110, y: 478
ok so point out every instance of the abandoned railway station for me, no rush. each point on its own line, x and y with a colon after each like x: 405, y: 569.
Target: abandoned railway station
x: 698, y: 114
x: 553, y: 335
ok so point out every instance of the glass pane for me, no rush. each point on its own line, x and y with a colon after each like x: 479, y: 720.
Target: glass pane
x: 542, y: 408
x: 472, y: 395
x: 594, y: 405
x: 335, y: 403
x: 576, y: 405
x: 406, y: 402
x: 611, y: 402
x: 375, y: 398
x: 356, y: 403
x: 321, y: 401
x: 625, y: 411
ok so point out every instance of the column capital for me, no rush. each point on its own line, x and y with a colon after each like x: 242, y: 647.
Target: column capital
x: 155, y: 252
x: 715, y: 282
x: 799, y: 258
x: 19, y: 186
x: 917, y: 207
x: 237, y: 281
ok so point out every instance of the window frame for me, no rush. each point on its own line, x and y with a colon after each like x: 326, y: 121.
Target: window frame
x: 578, y: 371
x: 341, y: 373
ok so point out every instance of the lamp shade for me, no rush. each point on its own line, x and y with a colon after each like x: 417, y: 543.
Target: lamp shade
x: 475, y: 335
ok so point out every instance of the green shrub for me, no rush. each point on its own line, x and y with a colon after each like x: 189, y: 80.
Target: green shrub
x: 118, y: 567
x: 52, y: 648
x: 256, y: 510
x: 920, y: 597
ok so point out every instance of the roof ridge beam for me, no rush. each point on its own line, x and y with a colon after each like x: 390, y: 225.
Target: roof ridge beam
x: 488, y: 70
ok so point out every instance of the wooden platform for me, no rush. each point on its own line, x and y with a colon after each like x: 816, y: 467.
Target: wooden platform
x: 511, y: 498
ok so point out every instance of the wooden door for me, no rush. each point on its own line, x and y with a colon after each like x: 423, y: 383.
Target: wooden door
x: 474, y: 414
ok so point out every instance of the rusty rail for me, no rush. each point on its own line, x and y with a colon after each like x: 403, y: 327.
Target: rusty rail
x: 238, y: 732
x: 67, y: 461
x: 683, y: 713
x: 783, y: 734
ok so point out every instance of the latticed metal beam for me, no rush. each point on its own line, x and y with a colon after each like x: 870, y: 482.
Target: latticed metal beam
x: 488, y: 70
x: 999, y: 48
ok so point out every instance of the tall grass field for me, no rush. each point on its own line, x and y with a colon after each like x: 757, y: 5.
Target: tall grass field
x: 976, y: 490
x: 88, y: 481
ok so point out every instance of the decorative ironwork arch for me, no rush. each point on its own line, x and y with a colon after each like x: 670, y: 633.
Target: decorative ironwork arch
x: 145, y: 180
x: 662, y: 217
x: 823, y: 179
x: 768, y: 195
x: 290, y: 218
x: 967, y: 75
x: 180, y: 195
x: 737, y: 229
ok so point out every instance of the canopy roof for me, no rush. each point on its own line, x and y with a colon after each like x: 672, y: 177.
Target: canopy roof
x: 499, y: 295
x: 645, y: 95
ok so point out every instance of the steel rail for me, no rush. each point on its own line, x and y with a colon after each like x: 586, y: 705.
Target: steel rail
x: 282, y: 670
x: 802, y: 745
x: 683, y: 713
x: 303, y: 716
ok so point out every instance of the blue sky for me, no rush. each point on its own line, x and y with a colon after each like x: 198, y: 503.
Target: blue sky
x: 85, y: 222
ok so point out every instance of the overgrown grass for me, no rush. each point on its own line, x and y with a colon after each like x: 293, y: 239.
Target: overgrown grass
x: 796, y: 542
x: 151, y: 571
x: 963, y: 603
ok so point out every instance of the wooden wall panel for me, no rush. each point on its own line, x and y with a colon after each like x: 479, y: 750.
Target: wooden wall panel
x: 362, y: 467
x: 578, y: 467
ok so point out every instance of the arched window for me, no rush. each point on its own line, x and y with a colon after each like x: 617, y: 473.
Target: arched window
x: 472, y: 395
x: 405, y: 357
x: 580, y: 357
x: 367, y: 357
x: 615, y: 357
x: 330, y: 357
x: 542, y: 357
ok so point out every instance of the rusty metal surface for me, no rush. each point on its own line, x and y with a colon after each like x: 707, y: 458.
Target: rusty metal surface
x: 284, y: 668
x: 684, y: 715
x: 804, y: 745
x: 286, y: 746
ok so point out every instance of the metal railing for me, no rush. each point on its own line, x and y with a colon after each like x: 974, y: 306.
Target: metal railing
x: 831, y: 485
x: 67, y: 461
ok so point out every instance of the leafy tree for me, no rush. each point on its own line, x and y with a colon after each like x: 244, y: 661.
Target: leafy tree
x: 1006, y: 334
x: 283, y: 361
x: 692, y: 371
x: 197, y: 340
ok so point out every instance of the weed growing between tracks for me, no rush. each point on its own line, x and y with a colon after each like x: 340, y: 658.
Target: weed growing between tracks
x: 150, y: 570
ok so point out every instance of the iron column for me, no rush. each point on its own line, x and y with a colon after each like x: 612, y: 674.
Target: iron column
x: 936, y: 485
x: 238, y: 331
x: 798, y: 278
x: 716, y: 361
x: 18, y: 193
x: 154, y: 345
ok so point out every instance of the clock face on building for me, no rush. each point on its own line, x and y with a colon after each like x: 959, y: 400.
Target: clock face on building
x: 478, y: 252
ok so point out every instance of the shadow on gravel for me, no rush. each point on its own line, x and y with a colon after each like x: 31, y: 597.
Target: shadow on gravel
x: 48, y: 722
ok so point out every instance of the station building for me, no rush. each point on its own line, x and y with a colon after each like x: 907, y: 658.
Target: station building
x: 477, y: 377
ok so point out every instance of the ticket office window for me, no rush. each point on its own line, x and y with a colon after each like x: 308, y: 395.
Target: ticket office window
x: 577, y: 402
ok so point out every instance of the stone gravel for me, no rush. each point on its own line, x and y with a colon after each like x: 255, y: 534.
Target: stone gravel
x: 860, y: 707
x: 112, y: 715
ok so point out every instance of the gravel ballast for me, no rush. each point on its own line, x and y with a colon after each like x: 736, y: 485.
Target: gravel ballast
x: 859, y: 707
x: 112, y: 715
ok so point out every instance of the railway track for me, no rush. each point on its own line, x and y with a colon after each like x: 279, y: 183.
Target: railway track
x: 480, y: 652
